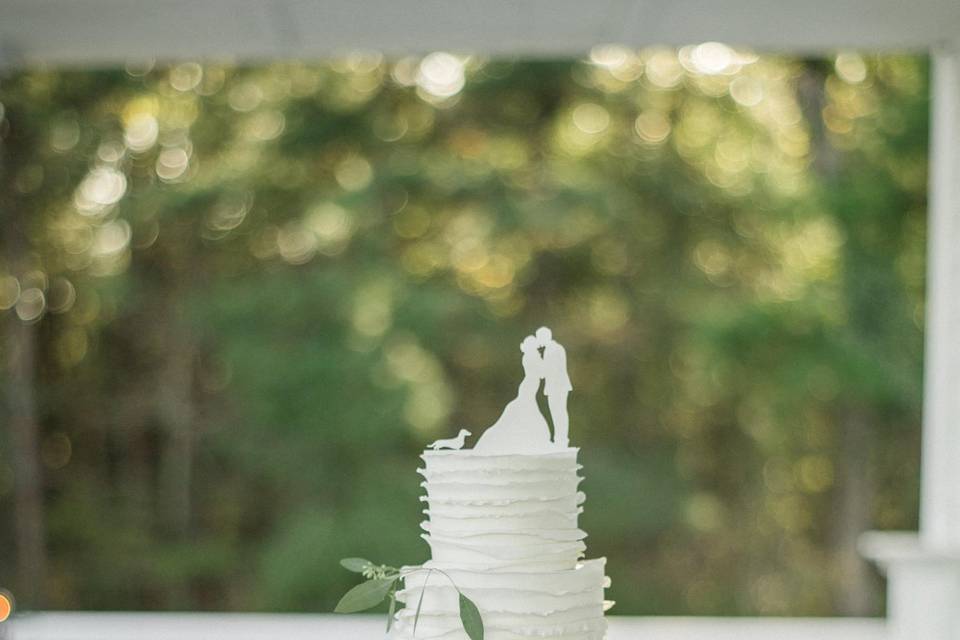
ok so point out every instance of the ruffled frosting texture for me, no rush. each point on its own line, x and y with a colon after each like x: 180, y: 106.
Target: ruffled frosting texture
x: 503, y: 528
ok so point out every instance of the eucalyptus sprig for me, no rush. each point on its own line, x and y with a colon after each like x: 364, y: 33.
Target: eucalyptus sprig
x: 382, y: 582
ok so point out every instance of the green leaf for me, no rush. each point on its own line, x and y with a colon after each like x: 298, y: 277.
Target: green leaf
x: 470, y: 617
x: 423, y: 590
x: 365, y: 595
x: 357, y: 565
x: 390, y: 612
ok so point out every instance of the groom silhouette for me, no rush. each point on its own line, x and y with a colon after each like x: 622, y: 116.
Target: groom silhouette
x: 556, y: 384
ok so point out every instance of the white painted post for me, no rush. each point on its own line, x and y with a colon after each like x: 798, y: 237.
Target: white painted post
x: 923, y: 571
x: 940, y: 487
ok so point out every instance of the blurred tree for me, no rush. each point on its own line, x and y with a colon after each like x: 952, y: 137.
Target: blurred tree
x: 39, y: 119
x: 19, y: 349
x: 264, y: 289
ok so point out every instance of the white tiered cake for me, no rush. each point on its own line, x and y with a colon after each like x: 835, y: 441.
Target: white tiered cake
x: 502, y: 528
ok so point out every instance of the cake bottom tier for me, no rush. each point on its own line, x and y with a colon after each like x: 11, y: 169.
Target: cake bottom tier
x: 560, y: 605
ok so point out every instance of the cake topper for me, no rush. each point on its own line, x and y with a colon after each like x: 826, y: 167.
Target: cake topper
x: 451, y: 443
x: 556, y: 384
x: 521, y: 428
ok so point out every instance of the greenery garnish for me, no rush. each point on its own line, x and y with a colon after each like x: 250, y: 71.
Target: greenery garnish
x: 423, y: 591
x: 366, y: 595
x: 382, y: 583
x: 470, y: 617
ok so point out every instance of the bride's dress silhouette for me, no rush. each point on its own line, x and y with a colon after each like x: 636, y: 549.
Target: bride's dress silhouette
x: 521, y: 427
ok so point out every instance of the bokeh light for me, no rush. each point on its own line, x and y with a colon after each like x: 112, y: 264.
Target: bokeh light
x: 441, y: 75
x: 9, y: 292
x: 30, y: 305
x: 851, y: 67
x: 102, y: 188
x: 6, y: 605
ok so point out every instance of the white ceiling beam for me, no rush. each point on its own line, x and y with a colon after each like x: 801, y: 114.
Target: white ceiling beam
x: 109, y: 32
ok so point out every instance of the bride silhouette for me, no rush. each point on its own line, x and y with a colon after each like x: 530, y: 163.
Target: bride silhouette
x: 521, y: 427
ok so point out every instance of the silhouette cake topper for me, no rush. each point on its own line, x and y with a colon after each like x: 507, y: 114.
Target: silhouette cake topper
x: 521, y: 428
x: 450, y: 443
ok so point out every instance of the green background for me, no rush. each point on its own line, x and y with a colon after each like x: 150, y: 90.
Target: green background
x: 263, y: 290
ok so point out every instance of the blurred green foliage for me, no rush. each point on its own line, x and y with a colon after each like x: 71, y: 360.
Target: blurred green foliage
x: 263, y: 290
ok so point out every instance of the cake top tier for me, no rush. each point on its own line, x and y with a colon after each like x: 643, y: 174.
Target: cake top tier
x: 460, y: 462
x: 503, y: 511
x: 521, y: 428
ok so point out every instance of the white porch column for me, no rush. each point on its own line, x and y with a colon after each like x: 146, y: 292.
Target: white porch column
x: 940, y: 493
x: 923, y: 571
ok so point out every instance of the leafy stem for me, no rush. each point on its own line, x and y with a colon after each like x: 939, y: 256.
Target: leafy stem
x: 381, y: 584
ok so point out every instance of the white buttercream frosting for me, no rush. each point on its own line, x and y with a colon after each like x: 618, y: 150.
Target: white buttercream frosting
x: 503, y: 529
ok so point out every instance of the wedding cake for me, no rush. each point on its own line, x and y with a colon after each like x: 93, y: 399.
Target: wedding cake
x: 502, y: 525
